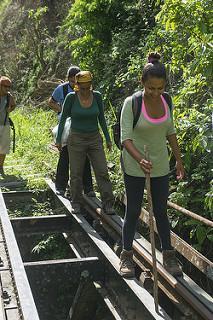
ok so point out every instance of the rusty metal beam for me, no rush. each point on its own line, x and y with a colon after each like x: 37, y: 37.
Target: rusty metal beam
x: 84, y: 304
x: 201, y: 302
x: 41, y: 224
x: 57, y: 281
x: 192, y: 255
x: 27, y: 304
x: 16, y: 195
x: 65, y: 269
x: 133, y: 301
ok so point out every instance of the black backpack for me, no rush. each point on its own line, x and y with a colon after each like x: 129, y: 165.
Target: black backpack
x: 10, y: 122
x: 136, y: 110
x: 65, y: 89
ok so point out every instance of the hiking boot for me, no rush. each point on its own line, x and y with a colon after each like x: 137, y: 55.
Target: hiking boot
x: 127, y: 269
x: 76, y: 208
x: 67, y: 194
x: 90, y: 194
x: 108, y: 208
x: 171, y: 264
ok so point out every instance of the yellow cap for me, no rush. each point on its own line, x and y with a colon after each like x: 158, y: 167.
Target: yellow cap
x: 83, y: 76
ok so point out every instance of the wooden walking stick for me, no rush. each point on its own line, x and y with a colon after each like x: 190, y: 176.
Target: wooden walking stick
x: 152, y: 234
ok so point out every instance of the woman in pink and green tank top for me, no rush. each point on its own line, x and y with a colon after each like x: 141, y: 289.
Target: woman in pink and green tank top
x: 154, y: 128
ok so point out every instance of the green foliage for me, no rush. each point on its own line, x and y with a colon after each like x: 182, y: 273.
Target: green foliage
x: 192, y: 35
x: 35, y: 47
x: 186, y: 46
x: 33, y: 154
x: 51, y: 247
x: 3, y: 5
x: 121, y: 42
x: 103, y: 37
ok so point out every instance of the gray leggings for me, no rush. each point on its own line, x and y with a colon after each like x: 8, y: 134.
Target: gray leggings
x: 134, y: 192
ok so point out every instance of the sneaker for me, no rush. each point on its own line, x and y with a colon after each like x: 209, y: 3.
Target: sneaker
x: 127, y: 267
x: 108, y: 208
x: 90, y: 194
x: 76, y: 208
x: 67, y: 194
x: 60, y: 192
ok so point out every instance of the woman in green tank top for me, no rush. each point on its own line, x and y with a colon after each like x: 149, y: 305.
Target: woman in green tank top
x: 85, y: 107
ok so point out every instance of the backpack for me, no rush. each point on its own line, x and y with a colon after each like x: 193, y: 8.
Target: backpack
x: 65, y: 89
x: 10, y: 122
x: 136, y: 110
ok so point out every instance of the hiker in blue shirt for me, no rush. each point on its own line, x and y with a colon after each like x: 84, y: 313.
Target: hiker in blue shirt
x: 62, y: 173
x: 7, y: 104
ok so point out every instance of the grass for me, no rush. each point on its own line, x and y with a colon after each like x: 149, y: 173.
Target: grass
x: 33, y: 159
x: 3, y: 4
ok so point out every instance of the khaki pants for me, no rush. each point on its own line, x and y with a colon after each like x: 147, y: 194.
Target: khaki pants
x: 79, y: 146
x: 4, y: 139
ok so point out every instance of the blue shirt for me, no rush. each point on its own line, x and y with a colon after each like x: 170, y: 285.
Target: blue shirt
x: 58, y: 94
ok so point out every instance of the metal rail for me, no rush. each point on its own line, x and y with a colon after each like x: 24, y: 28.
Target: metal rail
x: 192, y: 255
x: 126, y: 299
x: 132, y: 300
x: 201, y: 302
x: 26, y: 306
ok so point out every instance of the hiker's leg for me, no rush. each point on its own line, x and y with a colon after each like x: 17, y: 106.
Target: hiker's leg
x: 4, y: 143
x: 2, y: 159
x: 62, y: 172
x: 134, y: 187
x: 98, y: 159
x: 160, y: 190
x: 87, y: 177
x: 77, y: 148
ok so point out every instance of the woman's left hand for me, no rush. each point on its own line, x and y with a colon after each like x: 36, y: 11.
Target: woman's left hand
x: 180, y: 173
x: 109, y: 145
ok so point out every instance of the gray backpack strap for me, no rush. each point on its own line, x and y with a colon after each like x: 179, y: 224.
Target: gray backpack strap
x: 73, y: 97
x: 168, y: 100
x: 6, y: 107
